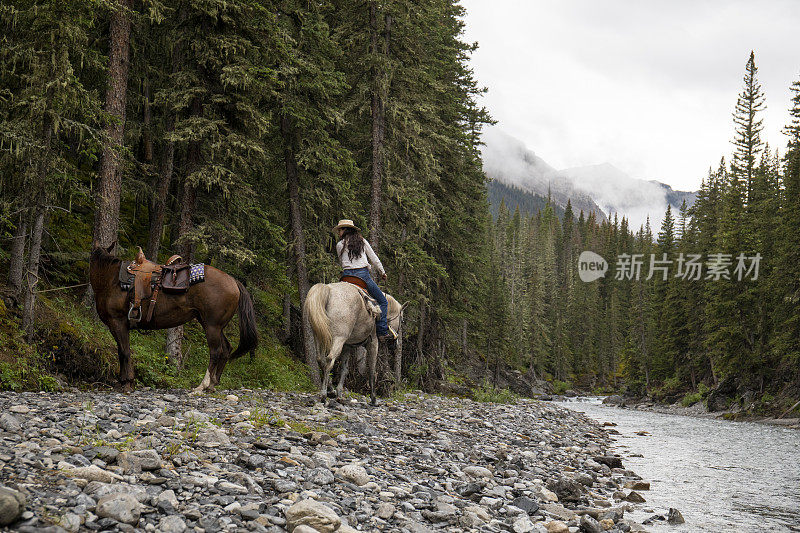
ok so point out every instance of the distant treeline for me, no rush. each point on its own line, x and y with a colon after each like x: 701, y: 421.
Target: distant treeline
x: 515, y: 198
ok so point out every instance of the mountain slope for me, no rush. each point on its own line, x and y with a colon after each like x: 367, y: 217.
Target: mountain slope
x: 508, y: 161
x: 514, y: 198
x: 602, y: 188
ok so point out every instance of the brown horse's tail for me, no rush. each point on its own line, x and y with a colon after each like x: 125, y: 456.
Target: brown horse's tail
x: 314, y: 312
x: 248, y: 335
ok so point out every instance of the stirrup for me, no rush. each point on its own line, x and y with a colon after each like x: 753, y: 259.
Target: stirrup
x: 388, y: 337
x: 138, y: 317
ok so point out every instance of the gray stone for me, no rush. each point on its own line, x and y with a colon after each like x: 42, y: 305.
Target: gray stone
x: 567, y: 490
x: 590, y: 525
x: 282, y: 486
x: 323, y: 459
x: 675, y: 517
x: 90, y: 473
x: 136, y: 461
x: 12, y: 504
x: 477, y: 472
x: 70, y: 522
x: 122, y: 507
x: 321, y: 476
x: 167, y: 501
x: 9, y: 422
x: 526, y: 504
x: 634, y: 497
x: 314, y: 514
x: 557, y: 526
x: 385, y: 510
x: 307, y: 529
x: 231, y: 488
x: 354, y: 473
x: 172, y: 524
x: 614, y: 399
x: 523, y: 524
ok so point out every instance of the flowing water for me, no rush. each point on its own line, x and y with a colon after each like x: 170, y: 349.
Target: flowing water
x: 723, y: 476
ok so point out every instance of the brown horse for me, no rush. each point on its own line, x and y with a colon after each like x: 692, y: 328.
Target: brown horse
x: 212, y: 302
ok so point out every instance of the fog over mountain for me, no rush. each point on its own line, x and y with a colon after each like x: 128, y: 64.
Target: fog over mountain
x: 508, y: 160
x: 600, y: 188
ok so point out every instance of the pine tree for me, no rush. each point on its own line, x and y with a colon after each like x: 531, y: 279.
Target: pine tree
x: 786, y: 284
x: 49, y: 117
x: 747, y: 140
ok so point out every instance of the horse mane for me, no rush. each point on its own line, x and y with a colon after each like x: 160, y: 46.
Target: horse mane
x: 394, y: 306
x: 103, y: 258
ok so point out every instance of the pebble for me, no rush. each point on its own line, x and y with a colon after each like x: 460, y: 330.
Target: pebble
x: 157, y: 461
x: 172, y: 524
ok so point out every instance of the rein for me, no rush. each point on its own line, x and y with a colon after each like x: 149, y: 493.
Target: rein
x: 395, y: 316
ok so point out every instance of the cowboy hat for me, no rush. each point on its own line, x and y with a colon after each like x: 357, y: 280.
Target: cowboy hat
x: 345, y: 223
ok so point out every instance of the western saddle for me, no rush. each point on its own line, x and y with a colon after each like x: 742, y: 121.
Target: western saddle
x: 147, y: 279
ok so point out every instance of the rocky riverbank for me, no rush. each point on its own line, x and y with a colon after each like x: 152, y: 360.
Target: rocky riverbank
x: 699, y: 410
x: 263, y: 461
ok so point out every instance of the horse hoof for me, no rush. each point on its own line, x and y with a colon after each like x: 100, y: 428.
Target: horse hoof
x: 373, y: 402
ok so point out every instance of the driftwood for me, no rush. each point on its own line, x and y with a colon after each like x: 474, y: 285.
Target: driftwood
x: 789, y: 410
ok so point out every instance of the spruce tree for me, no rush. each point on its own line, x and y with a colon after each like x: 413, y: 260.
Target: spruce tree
x: 749, y: 124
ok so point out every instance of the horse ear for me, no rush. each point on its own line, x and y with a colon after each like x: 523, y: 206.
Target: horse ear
x: 403, y: 307
x: 95, y: 245
x: 110, y: 249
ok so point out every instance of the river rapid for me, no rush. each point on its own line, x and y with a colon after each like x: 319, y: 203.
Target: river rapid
x: 723, y: 476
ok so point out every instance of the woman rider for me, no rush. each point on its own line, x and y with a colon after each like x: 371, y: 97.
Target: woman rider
x: 356, y: 255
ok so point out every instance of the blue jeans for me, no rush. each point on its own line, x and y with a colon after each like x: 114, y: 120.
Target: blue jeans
x: 381, y: 327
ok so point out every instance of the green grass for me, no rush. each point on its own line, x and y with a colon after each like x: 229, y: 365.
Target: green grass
x: 21, y: 365
x: 261, y: 417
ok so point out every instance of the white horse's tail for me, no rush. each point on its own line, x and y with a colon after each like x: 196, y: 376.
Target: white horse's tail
x: 314, y: 311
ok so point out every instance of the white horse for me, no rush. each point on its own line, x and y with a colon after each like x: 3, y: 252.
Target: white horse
x: 342, y: 320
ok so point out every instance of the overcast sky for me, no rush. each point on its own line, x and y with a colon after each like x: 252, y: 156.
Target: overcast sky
x: 646, y: 86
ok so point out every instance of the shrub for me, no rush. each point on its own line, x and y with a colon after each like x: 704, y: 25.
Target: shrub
x: 488, y: 393
x: 560, y: 387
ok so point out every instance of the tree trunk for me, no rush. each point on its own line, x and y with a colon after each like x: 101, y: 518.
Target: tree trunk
x: 174, y: 343
x: 34, y: 253
x: 299, y: 242
x: 287, y: 303
x: 188, y: 204
x: 398, y: 355
x: 174, y: 346
x: 158, y: 204
x: 106, y: 217
x: 147, y: 120
x: 17, y: 263
x: 377, y: 111
x: 464, y: 325
x: 421, y: 332
x: 32, y: 271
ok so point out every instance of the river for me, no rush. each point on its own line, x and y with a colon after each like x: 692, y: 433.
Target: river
x: 723, y: 476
